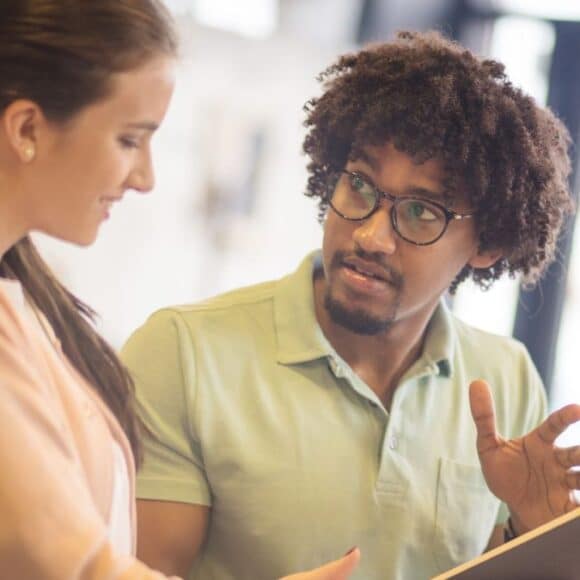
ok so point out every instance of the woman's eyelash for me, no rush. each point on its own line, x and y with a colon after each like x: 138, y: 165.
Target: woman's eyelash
x: 129, y: 143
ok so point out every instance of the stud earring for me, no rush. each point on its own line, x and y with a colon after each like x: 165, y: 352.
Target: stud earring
x: 29, y: 152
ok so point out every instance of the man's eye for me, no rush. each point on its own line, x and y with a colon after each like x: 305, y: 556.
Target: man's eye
x: 418, y: 210
x: 357, y: 183
x: 362, y: 187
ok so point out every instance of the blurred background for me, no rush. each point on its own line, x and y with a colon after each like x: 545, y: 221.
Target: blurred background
x: 228, y: 208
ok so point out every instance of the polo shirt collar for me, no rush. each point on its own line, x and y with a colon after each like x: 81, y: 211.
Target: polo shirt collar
x: 300, y: 338
x: 439, y: 347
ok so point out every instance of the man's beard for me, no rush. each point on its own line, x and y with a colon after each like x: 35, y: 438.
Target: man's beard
x: 360, y: 321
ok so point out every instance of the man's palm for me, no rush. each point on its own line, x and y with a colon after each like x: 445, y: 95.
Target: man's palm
x: 530, y: 474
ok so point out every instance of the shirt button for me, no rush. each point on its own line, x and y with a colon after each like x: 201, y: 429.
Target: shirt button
x: 393, y: 442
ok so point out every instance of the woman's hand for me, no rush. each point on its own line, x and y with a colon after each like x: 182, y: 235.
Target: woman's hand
x: 337, y: 570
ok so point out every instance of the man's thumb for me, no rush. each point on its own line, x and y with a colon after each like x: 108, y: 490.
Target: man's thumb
x: 482, y: 410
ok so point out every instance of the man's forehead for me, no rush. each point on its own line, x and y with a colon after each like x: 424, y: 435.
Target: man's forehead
x: 379, y: 156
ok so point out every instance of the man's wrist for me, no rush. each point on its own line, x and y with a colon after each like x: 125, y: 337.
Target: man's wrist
x: 509, y: 531
x: 514, y: 527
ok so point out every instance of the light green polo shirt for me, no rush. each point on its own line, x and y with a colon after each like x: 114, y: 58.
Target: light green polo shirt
x: 254, y: 414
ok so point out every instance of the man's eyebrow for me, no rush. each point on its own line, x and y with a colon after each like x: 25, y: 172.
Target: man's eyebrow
x: 144, y: 125
x: 428, y: 193
x: 414, y: 191
x: 418, y: 191
x: 370, y: 160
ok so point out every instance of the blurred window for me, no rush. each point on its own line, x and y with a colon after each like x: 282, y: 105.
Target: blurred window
x: 527, y: 65
x: 543, y: 9
x: 253, y: 18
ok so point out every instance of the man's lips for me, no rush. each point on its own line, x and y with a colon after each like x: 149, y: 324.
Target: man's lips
x: 370, y: 270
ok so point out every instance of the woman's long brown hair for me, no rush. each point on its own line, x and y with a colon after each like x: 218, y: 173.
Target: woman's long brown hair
x: 62, y: 55
x: 72, y: 321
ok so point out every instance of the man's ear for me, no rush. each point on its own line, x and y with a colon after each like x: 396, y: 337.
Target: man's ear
x: 21, y: 122
x: 482, y: 260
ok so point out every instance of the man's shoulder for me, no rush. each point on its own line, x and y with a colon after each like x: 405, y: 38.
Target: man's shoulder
x: 236, y: 311
x: 473, y: 336
x: 244, y: 297
x: 504, y: 362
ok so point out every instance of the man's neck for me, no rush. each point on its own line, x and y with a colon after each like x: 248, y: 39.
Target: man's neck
x: 379, y: 360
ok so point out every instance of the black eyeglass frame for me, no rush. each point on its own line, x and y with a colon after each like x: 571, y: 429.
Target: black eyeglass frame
x: 395, y: 201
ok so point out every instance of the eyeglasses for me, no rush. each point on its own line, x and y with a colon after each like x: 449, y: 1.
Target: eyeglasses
x: 416, y: 220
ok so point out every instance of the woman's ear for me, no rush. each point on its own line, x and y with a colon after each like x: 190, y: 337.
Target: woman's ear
x: 21, y: 122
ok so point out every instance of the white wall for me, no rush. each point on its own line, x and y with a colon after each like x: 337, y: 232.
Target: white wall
x: 167, y: 248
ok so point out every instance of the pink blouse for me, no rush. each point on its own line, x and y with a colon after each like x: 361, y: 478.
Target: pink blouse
x: 56, y: 459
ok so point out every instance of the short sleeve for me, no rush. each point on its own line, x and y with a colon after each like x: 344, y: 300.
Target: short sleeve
x: 160, y: 357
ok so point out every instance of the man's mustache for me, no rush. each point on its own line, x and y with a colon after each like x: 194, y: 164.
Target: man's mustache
x: 391, y: 275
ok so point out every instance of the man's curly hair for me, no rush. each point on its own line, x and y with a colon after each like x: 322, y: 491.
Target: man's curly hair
x: 434, y: 99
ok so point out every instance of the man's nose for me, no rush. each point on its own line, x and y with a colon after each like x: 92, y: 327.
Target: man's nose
x: 376, y: 233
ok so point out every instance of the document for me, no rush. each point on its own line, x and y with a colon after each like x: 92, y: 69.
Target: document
x: 550, y: 552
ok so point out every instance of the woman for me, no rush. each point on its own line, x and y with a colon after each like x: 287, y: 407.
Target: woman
x: 83, y: 86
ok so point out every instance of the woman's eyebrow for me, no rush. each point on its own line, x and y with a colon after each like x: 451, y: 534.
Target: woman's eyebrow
x: 144, y: 125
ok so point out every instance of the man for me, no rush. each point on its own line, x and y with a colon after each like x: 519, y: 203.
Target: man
x: 333, y: 407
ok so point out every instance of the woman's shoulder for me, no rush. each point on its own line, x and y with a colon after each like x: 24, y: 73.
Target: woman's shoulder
x: 15, y: 319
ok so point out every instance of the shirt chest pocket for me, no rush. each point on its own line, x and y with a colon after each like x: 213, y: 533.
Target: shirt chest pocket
x: 466, y: 512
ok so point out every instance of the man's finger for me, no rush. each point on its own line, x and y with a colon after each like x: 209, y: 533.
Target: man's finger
x: 483, y: 413
x: 558, y: 422
x: 573, y: 480
x: 568, y: 456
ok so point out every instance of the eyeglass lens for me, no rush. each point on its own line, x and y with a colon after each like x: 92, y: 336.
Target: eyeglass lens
x: 415, y: 219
